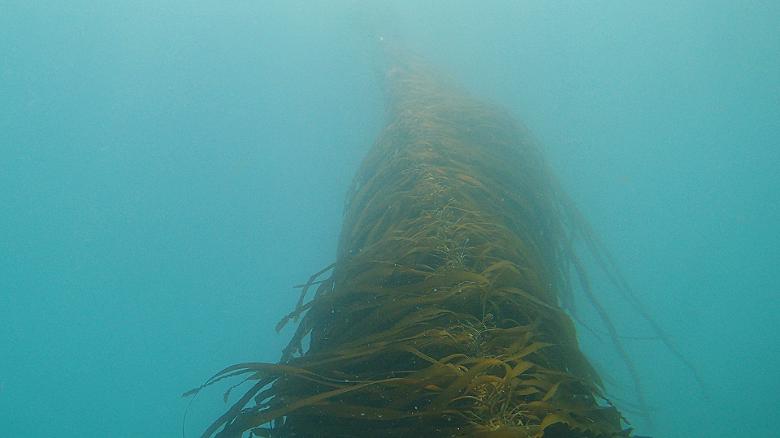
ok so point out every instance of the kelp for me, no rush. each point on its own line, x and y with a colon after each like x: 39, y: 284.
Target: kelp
x: 443, y: 315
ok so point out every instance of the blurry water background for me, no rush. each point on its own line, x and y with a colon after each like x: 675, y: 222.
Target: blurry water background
x: 169, y: 169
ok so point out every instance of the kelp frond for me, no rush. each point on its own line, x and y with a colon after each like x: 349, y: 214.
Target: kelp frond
x: 443, y: 313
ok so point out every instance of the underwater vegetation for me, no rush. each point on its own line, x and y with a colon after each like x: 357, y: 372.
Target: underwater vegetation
x: 444, y: 313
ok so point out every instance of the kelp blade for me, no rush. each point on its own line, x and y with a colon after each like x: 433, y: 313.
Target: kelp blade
x: 442, y: 316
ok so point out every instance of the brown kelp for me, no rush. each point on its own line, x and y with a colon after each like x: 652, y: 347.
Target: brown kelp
x: 443, y: 313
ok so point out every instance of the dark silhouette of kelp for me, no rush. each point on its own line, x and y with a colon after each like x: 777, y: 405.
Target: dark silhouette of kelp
x: 442, y: 316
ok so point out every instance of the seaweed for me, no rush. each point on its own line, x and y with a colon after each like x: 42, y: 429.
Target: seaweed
x: 444, y: 313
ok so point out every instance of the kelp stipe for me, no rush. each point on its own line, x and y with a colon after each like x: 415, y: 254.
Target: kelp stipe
x: 442, y: 314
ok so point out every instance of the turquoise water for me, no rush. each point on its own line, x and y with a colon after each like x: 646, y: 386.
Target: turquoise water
x: 170, y: 169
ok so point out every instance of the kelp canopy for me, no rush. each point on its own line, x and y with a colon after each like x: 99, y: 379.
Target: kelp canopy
x: 442, y: 316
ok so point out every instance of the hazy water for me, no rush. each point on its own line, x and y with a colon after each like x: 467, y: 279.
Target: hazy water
x: 169, y: 169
